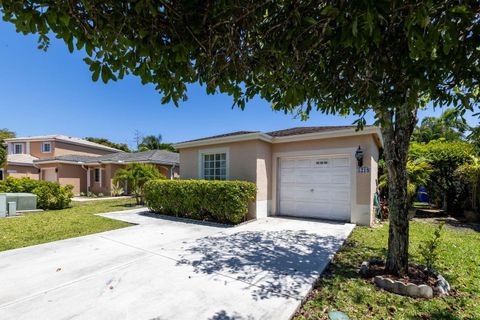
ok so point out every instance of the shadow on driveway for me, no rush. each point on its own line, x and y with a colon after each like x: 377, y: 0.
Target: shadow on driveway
x: 278, y: 263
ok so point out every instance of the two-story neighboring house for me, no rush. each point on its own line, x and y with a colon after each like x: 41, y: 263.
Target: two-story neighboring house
x: 86, y: 165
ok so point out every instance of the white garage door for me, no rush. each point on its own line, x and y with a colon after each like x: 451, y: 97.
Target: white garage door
x: 315, y: 187
x: 49, y: 174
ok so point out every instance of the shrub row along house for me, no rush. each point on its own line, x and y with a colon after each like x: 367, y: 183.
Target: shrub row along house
x: 314, y: 172
x: 87, y: 166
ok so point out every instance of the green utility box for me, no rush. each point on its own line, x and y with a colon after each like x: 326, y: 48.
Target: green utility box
x: 3, y: 205
x: 24, y: 201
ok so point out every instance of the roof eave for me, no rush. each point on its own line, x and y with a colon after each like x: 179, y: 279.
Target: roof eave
x: 292, y: 138
x: 58, y: 161
x: 330, y: 134
x: 100, y: 147
x: 136, y: 161
x: 104, y: 162
x: 23, y: 164
x: 236, y: 138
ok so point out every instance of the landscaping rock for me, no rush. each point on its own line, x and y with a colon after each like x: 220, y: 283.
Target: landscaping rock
x: 412, y: 287
x: 364, y: 269
x: 383, y: 283
x: 425, y: 291
x: 442, y: 286
x: 398, y: 287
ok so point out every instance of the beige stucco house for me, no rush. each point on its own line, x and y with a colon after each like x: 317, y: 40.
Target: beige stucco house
x: 87, y: 166
x: 309, y: 172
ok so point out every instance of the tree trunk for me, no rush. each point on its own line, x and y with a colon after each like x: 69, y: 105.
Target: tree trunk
x: 397, y: 130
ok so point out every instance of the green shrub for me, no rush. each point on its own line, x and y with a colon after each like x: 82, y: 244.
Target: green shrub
x: 50, y: 195
x: 429, y: 248
x: 136, y: 175
x: 221, y: 201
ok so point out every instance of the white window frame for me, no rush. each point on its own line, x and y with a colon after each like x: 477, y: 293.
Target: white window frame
x: 99, y: 175
x: 43, y: 147
x: 202, y: 153
x: 15, y: 148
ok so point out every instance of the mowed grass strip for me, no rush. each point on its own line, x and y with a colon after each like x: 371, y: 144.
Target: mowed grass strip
x: 342, y: 289
x: 78, y: 220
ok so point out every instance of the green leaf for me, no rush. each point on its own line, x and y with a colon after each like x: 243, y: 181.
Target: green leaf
x: 96, y: 71
x: 65, y: 19
x: 355, y: 27
x: 105, y: 74
x: 310, y: 20
x: 70, y: 45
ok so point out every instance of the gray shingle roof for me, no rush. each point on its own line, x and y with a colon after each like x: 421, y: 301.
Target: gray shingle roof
x: 306, y: 130
x: 151, y: 156
x: 236, y: 133
x: 280, y: 133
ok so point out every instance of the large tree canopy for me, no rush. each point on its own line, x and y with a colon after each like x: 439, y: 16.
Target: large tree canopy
x: 339, y: 57
x: 336, y: 56
x: 108, y: 143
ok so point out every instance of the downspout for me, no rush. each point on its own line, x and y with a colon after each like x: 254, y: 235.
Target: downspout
x: 39, y: 171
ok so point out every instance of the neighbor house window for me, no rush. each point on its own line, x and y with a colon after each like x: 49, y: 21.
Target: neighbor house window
x: 1, y: 175
x: 46, y: 147
x: 18, y: 148
x: 98, y: 175
x: 214, y: 166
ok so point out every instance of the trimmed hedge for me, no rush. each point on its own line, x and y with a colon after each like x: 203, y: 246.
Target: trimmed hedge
x: 50, y: 195
x: 221, y: 201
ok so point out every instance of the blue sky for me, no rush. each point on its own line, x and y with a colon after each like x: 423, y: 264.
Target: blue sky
x: 52, y: 92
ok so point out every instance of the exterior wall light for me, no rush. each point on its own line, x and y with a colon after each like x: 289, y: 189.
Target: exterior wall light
x: 359, y: 156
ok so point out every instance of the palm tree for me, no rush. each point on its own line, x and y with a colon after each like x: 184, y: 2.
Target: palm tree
x: 450, y: 125
x: 150, y: 142
x: 136, y: 175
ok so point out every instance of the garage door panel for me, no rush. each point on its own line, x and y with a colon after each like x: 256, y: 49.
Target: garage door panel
x: 289, y: 178
x: 320, y: 197
x: 314, y: 179
x: 307, y: 163
x: 341, y: 162
x: 317, y: 188
x: 285, y: 164
x: 343, y: 179
x: 312, y: 210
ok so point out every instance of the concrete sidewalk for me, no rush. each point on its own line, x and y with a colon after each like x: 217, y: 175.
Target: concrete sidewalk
x: 164, y: 268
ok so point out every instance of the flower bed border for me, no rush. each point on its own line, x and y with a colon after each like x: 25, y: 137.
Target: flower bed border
x: 409, y: 289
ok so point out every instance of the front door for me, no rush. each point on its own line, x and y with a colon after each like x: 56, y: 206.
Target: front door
x: 49, y: 174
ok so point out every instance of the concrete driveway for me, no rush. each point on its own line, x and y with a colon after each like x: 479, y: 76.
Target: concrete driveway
x: 163, y: 268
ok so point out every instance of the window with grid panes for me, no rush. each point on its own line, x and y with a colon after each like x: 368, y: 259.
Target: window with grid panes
x: 214, y: 166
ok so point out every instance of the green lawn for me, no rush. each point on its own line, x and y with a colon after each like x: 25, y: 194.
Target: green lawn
x: 341, y: 288
x: 79, y: 220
